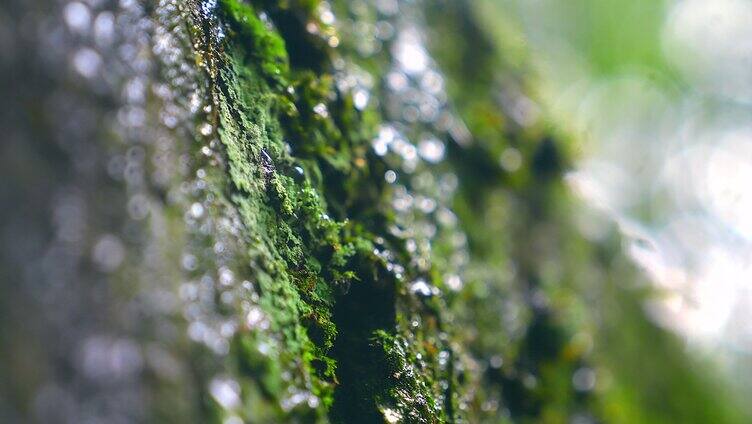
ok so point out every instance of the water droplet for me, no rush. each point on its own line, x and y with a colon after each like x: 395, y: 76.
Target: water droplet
x: 77, y: 16
x: 108, y: 253
x: 233, y: 419
x: 386, y: 136
x: 396, y: 81
x: 321, y: 110
x: 583, y: 379
x: 226, y: 277
x: 227, y: 329
x: 327, y: 17
x: 138, y: 207
x: 360, y: 99
x: 496, y: 361
x: 444, y: 357
x: 511, y: 159
x: 207, y: 7
x: 410, y: 53
x: 103, y: 357
x: 431, y: 149
x: 422, y: 288
x: 255, y: 318
x: 87, y: 62
x: 298, y: 397
x: 197, y: 210
x: 454, y: 282
x: 225, y: 391
x: 104, y: 28
x: 189, y: 262
x: 206, y: 129
x: 391, y: 416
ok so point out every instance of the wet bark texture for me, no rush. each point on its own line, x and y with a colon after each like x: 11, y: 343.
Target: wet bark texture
x: 300, y: 211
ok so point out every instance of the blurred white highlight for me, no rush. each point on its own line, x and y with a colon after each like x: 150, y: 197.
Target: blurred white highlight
x: 675, y: 171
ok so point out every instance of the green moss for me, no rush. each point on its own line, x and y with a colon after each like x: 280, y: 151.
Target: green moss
x: 316, y: 214
x: 265, y: 48
x: 312, y: 200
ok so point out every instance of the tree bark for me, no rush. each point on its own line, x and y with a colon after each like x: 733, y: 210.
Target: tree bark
x: 301, y: 211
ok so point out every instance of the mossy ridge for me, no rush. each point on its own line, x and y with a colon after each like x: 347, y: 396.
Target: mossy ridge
x: 568, y: 331
x: 321, y: 282
x: 528, y: 364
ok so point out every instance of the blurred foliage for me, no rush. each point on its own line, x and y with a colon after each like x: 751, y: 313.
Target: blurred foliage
x: 611, y: 35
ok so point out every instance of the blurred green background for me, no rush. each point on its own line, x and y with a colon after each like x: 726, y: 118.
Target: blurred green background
x: 656, y: 97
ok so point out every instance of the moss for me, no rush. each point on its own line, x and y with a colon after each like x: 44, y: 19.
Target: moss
x: 317, y: 213
x: 323, y: 320
x: 312, y: 200
x: 266, y: 48
x: 314, y: 203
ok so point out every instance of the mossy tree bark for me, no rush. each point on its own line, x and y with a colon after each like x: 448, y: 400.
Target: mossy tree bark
x: 301, y: 211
